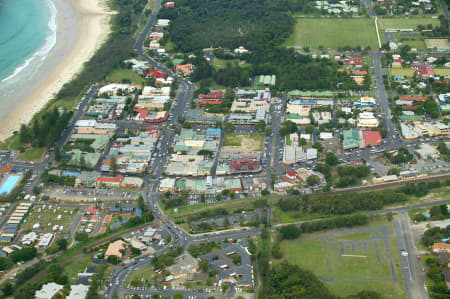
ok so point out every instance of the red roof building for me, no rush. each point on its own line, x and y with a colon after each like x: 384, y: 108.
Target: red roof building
x: 7, y: 168
x: 156, y: 73
x: 169, y: 4
x: 91, y: 210
x: 407, y: 107
x: 424, y: 71
x: 372, y: 138
x: 244, y: 165
x: 211, y: 102
x: 414, y: 98
x: 110, y: 181
x: 216, y: 94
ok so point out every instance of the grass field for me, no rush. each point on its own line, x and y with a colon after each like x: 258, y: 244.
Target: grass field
x: 222, y: 63
x: 32, y: 154
x: 334, y: 33
x: 247, y: 142
x: 442, y: 72
x: 144, y: 273
x: 367, y: 266
x: 405, y: 72
x: 46, y: 217
x: 120, y: 74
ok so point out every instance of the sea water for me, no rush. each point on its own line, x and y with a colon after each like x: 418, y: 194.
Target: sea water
x: 27, y: 34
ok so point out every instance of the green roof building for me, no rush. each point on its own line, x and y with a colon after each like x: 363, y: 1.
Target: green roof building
x: 351, y: 139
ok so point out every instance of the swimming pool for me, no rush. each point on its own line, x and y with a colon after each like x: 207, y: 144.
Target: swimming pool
x: 9, y: 184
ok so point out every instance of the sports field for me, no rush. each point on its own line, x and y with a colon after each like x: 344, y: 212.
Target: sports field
x: 334, y: 33
x: 351, y: 260
x: 404, y: 23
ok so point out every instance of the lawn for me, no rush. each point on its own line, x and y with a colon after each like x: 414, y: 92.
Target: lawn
x: 32, y: 154
x: 248, y: 142
x: 334, y: 33
x: 125, y: 74
x: 405, y: 72
x: 145, y: 273
x: 367, y: 258
x: 46, y: 217
x: 219, y: 64
x: 442, y: 72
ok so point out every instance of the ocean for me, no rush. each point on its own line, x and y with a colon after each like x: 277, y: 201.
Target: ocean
x: 27, y: 34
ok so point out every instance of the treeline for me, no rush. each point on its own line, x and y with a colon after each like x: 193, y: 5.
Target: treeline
x: 113, y: 52
x: 24, y: 276
x: 202, y: 248
x: 24, y: 255
x: 293, y: 231
x: 422, y: 188
x: 340, y: 204
x: 45, y: 129
x: 435, y: 235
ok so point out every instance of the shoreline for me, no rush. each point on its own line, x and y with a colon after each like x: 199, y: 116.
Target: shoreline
x: 82, y: 27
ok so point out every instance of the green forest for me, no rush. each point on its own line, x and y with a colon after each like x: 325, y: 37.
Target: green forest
x: 261, y: 27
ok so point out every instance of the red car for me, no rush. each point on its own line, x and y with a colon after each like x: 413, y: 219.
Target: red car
x: 244, y: 228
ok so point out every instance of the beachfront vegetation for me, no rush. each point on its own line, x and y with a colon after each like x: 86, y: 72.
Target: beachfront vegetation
x: 113, y: 52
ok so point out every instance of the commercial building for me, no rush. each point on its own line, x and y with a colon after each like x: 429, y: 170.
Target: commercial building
x: 115, y: 248
x: 372, y: 138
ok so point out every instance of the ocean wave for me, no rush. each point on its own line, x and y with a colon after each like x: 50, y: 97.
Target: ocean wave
x: 41, y: 53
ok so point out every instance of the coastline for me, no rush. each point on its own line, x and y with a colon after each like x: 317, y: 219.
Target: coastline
x: 82, y: 27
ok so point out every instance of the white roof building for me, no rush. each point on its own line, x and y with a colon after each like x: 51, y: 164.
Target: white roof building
x: 78, y: 291
x: 326, y: 135
x: 48, y: 290
x: 112, y: 89
x: 45, y: 240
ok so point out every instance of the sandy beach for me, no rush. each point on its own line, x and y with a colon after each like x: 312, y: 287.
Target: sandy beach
x: 83, y: 25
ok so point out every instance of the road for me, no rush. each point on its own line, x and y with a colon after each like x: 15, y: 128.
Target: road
x: 444, y: 8
x: 411, y: 266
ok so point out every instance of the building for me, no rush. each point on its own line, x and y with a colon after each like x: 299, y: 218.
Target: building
x: 244, y: 165
x: 424, y: 71
x: 110, y: 181
x: 114, y: 249
x: 367, y: 120
x: 372, y: 138
x: 131, y: 182
x: 440, y: 247
x: 351, y: 139
x: 87, y: 179
x: 48, y: 291
x: 116, y: 89
x: 45, y: 241
x: 78, y: 291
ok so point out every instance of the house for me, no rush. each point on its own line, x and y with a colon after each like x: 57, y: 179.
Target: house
x: 414, y: 98
x: 372, y: 138
x: 48, y: 290
x: 440, y: 247
x: 185, y: 69
x: 114, y: 249
x: 91, y: 210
